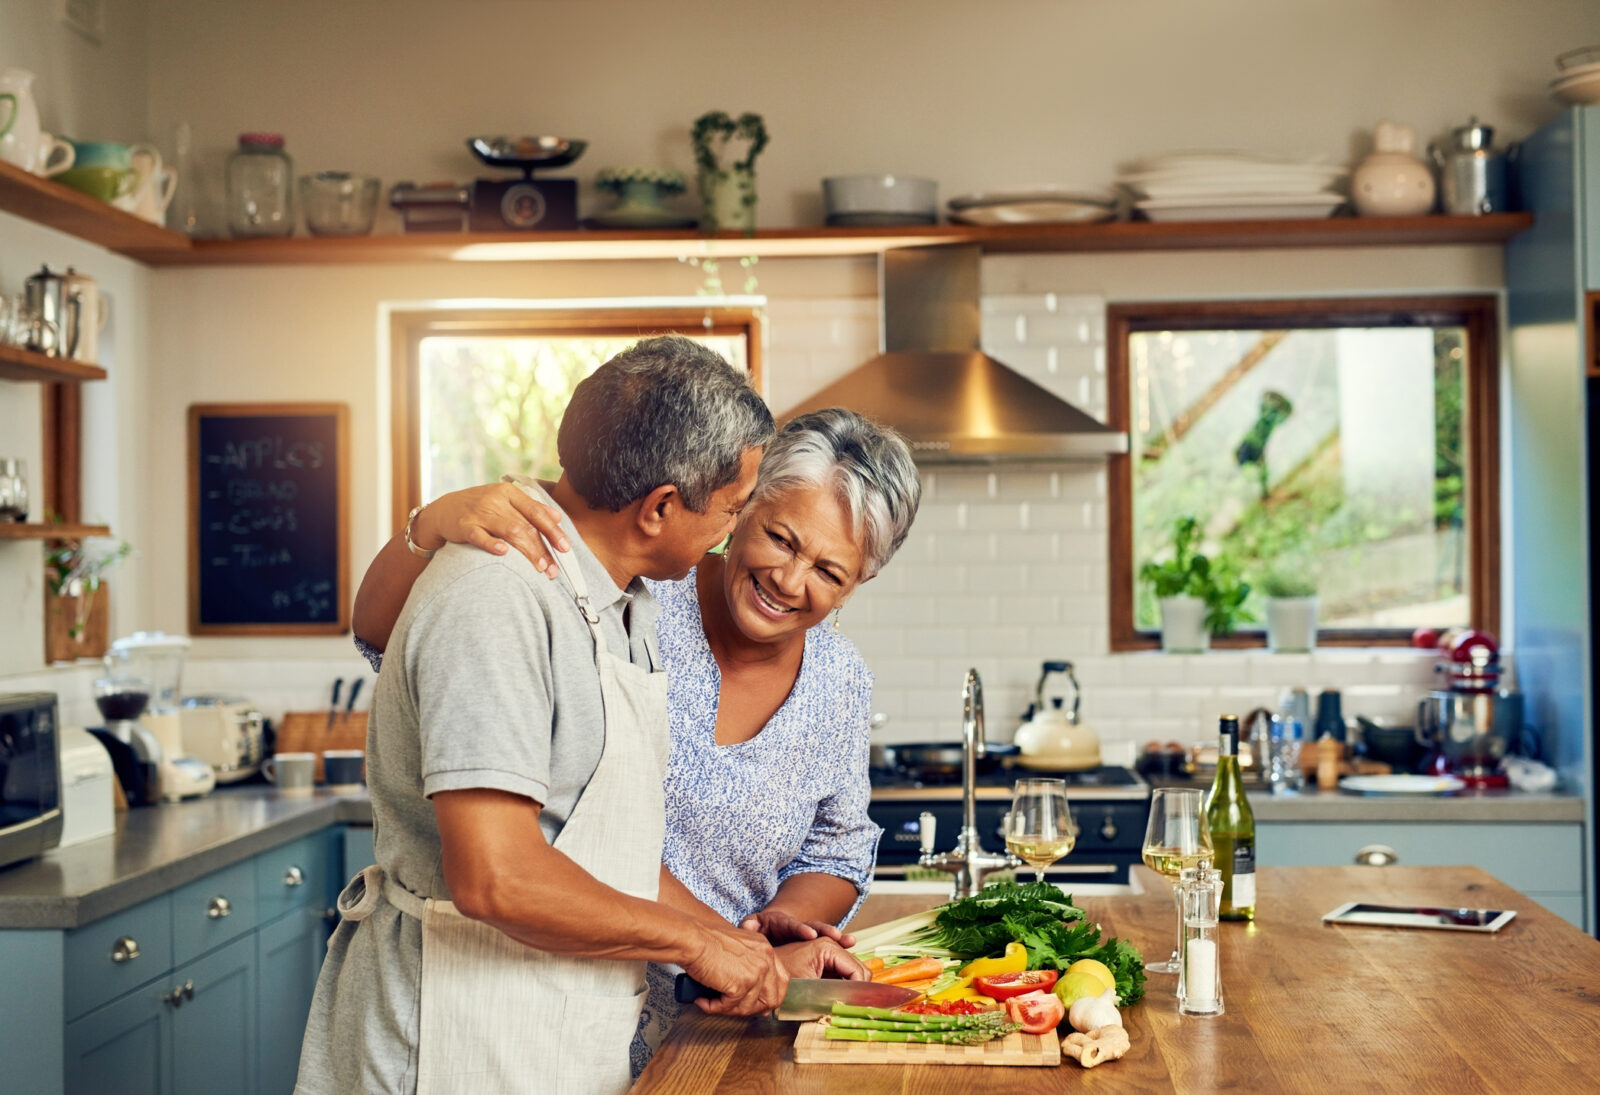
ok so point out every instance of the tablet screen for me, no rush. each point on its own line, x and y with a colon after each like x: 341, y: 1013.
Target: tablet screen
x: 1396, y: 916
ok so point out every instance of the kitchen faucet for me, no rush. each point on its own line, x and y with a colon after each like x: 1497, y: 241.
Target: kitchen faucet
x: 967, y: 860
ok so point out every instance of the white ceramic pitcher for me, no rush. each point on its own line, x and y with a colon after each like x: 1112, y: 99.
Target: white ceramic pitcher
x: 154, y: 186
x: 25, y: 144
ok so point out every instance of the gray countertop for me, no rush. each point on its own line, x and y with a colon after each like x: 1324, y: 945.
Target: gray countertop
x: 158, y: 848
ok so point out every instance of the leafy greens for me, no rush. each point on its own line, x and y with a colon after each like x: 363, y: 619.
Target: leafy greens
x: 1037, y: 915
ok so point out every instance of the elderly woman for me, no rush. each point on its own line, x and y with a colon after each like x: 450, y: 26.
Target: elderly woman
x: 768, y: 705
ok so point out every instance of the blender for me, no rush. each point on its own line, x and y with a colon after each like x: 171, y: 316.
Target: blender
x: 158, y: 658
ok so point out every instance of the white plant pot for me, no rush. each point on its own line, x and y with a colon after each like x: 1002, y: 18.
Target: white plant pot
x: 1291, y: 624
x: 1183, y: 625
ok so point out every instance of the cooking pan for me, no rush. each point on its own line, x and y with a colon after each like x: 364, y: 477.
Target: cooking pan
x: 935, y: 759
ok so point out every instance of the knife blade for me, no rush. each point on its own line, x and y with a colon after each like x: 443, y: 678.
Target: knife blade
x: 812, y: 997
x: 355, y: 690
x: 333, y: 704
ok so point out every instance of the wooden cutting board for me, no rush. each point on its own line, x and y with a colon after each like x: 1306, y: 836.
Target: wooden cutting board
x: 811, y: 1048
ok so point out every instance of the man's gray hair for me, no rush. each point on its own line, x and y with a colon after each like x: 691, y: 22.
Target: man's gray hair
x: 868, y: 467
x: 667, y: 410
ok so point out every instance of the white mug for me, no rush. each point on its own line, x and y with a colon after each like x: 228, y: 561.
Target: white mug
x: 294, y: 773
x: 53, y: 156
x: 146, y: 163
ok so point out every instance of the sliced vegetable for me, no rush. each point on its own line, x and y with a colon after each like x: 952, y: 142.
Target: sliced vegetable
x: 1015, y: 960
x: 874, y: 963
x: 944, y: 1037
x: 950, y: 1007
x: 1003, y: 986
x: 1037, y: 1012
x: 918, y: 969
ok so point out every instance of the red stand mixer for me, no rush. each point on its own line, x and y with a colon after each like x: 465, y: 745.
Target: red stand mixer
x: 1468, y: 726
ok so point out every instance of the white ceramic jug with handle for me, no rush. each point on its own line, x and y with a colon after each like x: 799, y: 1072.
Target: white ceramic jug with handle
x: 24, y: 143
x: 153, y: 186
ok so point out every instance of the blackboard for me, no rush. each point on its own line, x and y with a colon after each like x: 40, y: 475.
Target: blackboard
x: 268, y: 528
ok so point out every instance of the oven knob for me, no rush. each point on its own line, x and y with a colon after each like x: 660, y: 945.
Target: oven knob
x: 1108, y: 828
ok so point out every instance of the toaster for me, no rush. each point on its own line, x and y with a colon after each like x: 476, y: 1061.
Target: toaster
x: 225, y: 732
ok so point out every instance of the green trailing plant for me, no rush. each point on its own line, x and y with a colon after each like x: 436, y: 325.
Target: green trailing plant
x: 614, y: 180
x: 75, y: 568
x: 717, y: 138
x: 1191, y: 573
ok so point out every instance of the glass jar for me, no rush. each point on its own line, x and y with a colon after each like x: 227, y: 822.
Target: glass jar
x: 260, y: 187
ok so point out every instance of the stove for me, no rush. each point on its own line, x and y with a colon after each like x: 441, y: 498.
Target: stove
x: 1110, y: 806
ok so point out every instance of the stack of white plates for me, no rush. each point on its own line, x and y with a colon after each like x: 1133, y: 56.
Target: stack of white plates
x: 1232, y: 186
x: 1578, y: 76
x: 1034, y: 205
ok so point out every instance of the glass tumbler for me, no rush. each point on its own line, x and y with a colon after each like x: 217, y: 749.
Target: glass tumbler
x: 13, y: 489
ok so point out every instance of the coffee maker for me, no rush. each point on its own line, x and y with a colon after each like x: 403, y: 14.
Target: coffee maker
x: 150, y: 663
x: 1468, y: 726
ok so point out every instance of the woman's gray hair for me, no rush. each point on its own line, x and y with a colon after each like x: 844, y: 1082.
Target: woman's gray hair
x: 868, y: 466
x: 665, y: 410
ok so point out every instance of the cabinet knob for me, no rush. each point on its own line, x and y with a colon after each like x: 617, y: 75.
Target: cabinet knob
x: 294, y: 876
x: 173, y: 998
x: 125, y: 949
x: 331, y: 914
x: 1108, y: 828
x: 188, y: 990
x: 219, y: 908
x: 1376, y: 855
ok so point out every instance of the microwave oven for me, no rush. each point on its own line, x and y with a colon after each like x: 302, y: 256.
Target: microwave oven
x: 30, y: 776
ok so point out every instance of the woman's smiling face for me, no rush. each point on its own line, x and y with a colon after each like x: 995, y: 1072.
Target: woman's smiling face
x: 793, y: 559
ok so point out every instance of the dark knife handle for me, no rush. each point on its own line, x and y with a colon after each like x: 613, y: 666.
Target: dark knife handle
x: 355, y: 690
x: 686, y: 990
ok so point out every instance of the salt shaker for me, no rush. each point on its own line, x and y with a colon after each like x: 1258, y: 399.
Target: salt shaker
x: 1199, y: 967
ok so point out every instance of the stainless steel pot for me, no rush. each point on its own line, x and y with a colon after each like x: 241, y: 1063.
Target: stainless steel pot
x: 1472, y: 176
x: 1470, y: 725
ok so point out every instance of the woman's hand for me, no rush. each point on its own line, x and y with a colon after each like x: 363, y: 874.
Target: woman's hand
x: 780, y: 927
x: 494, y: 517
x: 821, y: 958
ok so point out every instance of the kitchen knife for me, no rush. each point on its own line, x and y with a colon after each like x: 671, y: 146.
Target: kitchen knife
x: 355, y: 690
x: 812, y: 998
x: 333, y: 704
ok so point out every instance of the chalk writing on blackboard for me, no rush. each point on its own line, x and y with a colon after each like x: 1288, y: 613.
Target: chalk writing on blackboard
x: 268, y: 505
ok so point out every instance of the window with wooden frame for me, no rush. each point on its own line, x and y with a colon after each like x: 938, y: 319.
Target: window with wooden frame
x: 1343, y: 447
x: 477, y: 394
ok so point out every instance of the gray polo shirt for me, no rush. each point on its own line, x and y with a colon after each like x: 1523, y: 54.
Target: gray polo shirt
x: 489, y: 682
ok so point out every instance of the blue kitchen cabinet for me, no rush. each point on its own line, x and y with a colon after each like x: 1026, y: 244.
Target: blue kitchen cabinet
x: 125, y: 1046
x: 214, y: 1030
x: 289, y: 956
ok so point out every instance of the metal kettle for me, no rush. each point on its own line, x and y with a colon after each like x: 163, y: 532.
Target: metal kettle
x: 72, y: 306
x: 1472, y: 175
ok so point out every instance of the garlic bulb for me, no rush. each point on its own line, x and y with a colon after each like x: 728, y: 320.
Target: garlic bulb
x: 1091, y: 1012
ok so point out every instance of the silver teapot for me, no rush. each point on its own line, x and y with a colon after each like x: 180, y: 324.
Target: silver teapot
x: 1472, y: 175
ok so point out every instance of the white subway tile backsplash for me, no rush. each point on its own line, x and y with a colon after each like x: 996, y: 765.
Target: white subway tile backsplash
x: 996, y: 516
x: 1028, y: 485
x: 899, y: 611
x: 1062, y: 577
x: 927, y: 579
x: 1182, y: 702
x: 935, y: 642
x: 995, y: 304
x: 967, y: 547
x: 1002, y: 578
x: 962, y: 485
x: 1058, y: 514
x: 1030, y: 610
x: 1117, y: 703
x: 967, y: 611
x: 1065, y: 640
x: 1028, y: 547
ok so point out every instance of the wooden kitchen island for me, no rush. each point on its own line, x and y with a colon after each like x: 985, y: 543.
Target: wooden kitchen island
x: 1309, y: 1008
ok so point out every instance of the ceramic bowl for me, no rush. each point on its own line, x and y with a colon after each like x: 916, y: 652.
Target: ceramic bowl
x: 101, y: 154
x: 880, y: 200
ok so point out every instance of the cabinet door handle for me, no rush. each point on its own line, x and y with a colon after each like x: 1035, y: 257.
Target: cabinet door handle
x: 1376, y: 855
x: 294, y: 876
x: 188, y: 990
x: 174, y: 998
x: 125, y: 949
x: 219, y: 908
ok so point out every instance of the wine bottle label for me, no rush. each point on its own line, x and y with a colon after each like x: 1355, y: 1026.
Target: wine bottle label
x: 1244, y: 875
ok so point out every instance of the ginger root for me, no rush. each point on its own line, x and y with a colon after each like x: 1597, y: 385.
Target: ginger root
x: 1101, y: 1044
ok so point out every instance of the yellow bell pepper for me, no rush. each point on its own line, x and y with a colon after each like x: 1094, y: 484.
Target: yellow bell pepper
x: 1015, y: 960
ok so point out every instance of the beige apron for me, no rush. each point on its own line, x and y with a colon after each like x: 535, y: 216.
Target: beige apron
x: 498, y: 1016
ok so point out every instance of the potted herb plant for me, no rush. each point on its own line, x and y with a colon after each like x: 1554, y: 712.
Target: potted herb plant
x: 75, y: 610
x: 725, y: 151
x: 1290, y: 590
x: 1198, y: 598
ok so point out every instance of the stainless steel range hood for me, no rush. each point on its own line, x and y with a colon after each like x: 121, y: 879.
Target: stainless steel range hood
x: 954, y: 403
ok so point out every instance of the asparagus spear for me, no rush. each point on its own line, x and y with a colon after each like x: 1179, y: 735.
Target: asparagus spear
x: 946, y: 1037
x: 887, y: 1024
x: 941, y: 1022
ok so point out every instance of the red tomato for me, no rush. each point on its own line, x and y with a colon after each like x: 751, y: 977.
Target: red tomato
x: 1038, y: 1012
x: 1003, y: 986
x: 947, y: 1007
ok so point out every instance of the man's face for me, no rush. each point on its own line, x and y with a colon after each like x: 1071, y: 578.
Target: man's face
x: 689, y: 535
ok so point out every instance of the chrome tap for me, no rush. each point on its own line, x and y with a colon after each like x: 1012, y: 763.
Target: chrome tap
x: 967, y: 860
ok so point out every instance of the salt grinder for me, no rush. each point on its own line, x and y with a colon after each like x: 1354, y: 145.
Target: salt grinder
x: 1199, y: 968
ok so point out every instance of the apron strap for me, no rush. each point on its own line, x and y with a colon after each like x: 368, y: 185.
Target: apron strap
x: 359, y: 899
x: 564, y: 561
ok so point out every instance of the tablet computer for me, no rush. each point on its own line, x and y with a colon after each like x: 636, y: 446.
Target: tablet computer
x: 1398, y: 916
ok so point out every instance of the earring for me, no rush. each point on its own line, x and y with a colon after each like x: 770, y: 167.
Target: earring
x: 836, y: 618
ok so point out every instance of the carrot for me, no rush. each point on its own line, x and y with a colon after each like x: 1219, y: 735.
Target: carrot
x: 874, y: 964
x: 918, y: 969
x: 920, y: 986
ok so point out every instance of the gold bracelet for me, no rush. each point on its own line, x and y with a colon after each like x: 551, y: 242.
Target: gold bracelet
x: 420, y: 553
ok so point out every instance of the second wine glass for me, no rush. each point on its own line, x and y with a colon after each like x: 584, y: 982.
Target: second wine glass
x: 1176, y: 837
x: 1039, y: 829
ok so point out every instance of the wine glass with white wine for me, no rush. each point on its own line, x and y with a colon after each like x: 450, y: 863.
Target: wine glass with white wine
x: 1177, y: 837
x: 1039, y: 828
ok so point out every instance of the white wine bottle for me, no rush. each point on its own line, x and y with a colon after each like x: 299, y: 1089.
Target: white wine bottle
x: 1233, y: 828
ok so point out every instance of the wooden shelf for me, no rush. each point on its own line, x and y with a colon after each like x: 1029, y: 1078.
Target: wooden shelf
x: 77, y: 214
x: 819, y: 242
x: 16, y: 364
x: 60, y: 207
x: 14, y: 531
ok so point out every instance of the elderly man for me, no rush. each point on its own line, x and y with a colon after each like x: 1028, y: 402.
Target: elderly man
x: 515, y: 761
